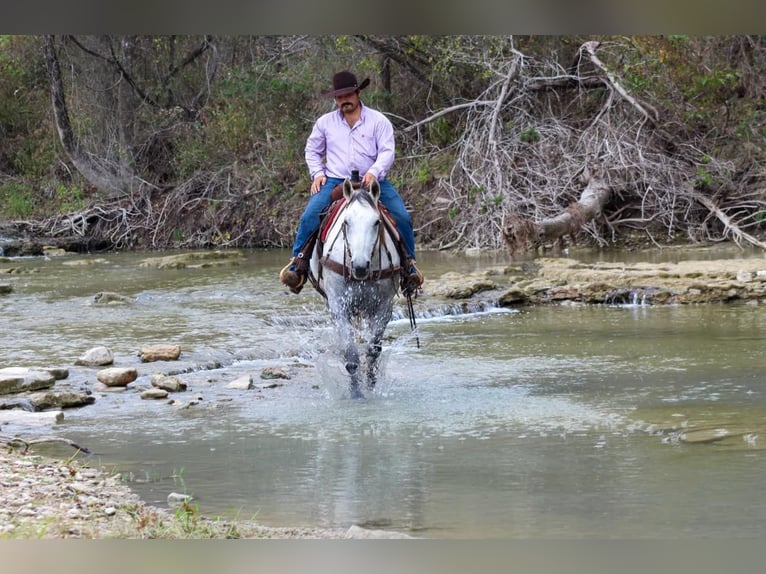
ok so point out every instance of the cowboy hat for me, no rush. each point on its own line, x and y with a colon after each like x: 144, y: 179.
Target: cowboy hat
x: 345, y: 83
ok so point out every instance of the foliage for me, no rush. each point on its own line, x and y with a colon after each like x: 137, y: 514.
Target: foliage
x: 218, y: 124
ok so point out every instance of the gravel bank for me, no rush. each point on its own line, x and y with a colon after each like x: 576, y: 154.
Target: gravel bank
x: 46, y: 498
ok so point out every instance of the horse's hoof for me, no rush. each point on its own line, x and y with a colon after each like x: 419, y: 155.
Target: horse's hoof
x: 351, y: 368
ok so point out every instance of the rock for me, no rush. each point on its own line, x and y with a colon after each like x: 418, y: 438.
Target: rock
x: 117, y: 376
x: 53, y: 251
x: 155, y: 393
x: 85, y: 262
x: 358, y: 532
x: 177, y: 499
x: 274, y: 373
x: 194, y: 260
x: 170, y: 384
x: 60, y: 400
x: 243, y: 383
x: 58, y: 373
x: 110, y: 298
x: 151, y: 353
x: 704, y: 436
x: 24, y: 418
x: 21, y: 379
x: 96, y: 357
x: 5, y: 288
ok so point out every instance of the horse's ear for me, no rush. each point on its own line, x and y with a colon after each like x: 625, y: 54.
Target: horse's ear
x: 375, y: 190
x: 347, y: 189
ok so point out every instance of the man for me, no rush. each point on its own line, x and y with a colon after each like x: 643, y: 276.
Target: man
x: 352, y: 138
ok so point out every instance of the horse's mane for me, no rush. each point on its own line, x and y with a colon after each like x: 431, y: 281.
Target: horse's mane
x: 362, y: 193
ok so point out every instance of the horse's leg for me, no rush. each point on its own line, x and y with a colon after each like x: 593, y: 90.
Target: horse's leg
x: 375, y: 346
x: 351, y: 356
x: 373, y: 354
x: 352, y: 367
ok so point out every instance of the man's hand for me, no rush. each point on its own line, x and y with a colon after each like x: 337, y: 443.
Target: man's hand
x: 317, y: 184
x: 367, y: 180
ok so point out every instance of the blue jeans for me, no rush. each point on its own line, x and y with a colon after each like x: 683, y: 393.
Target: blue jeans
x: 388, y: 196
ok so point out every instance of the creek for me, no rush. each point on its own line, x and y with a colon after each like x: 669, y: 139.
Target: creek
x: 570, y: 421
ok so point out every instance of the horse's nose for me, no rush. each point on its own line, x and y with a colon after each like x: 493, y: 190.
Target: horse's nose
x: 361, y: 271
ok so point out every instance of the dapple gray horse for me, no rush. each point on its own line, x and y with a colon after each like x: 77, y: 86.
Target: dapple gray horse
x: 357, y: 268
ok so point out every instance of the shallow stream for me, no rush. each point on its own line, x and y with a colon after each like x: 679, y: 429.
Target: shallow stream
x: 566, y: 421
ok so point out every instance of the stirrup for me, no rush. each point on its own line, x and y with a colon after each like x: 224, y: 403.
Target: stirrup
x: 293, y: 278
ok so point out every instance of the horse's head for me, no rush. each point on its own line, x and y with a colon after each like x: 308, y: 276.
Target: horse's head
x: 361, y: 227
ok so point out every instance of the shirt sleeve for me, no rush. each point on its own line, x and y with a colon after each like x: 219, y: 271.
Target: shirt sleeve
x: 384, y: 136
x: 316, y: 146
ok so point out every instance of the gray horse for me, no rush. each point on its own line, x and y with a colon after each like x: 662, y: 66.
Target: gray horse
x: 356, y: 267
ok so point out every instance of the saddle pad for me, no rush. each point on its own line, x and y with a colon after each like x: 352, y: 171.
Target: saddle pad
x: 332, y: 213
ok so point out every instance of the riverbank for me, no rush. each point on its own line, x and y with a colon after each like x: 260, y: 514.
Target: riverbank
x: 48, y: 498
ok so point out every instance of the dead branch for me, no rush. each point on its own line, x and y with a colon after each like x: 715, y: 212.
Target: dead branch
x: 730, y: 227
x: 17, y: 442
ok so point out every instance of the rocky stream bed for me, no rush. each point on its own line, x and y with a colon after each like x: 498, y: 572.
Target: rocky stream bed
x: 61, y: 497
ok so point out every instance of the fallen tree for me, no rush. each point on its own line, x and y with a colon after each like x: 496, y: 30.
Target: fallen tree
x: 520, y: 234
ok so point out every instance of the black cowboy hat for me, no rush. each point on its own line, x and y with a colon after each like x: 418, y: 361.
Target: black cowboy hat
x: 344, y: 83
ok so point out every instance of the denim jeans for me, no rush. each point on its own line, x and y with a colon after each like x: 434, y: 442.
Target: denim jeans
x: 388, y: 196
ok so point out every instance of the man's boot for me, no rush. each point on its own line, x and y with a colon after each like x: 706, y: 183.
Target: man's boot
x: 294, y: 274
x: 412, y: 278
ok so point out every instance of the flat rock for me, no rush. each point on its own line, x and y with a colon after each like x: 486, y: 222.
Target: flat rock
x: 243, y: 383
x: 22, y: 379
x: 168, y: 383
x: 154, y: 393
x: 194, y: 260
x: 110, y: 298
x: 274, y: 373
x: 117, y: 376
x: 96, y: 357
x: 60, y: 400
x: 151, y: 353
x: 24, y: 418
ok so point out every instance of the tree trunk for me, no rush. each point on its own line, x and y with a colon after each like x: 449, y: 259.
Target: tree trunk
x: 519, y: 233
x: 93, y: 173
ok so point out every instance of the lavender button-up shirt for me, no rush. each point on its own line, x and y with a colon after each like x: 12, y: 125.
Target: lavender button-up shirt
x: 335, y: 149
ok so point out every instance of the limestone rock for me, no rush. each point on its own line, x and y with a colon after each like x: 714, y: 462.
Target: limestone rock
x: 60, y: 400
x: 243, y: 383
x: 21, y: 379
x: 117, y: 376
x: 194, y: 260
x: 170, y: 384
x: 110, y: 298
x: 154, y: 393
x: 96, y: 357
x: 151, y: 353
x: 274, y: 373
x: 24, y: 418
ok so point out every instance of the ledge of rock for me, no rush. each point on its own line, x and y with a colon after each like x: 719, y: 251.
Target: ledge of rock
x: 21, y: 379
x: 194, y: 260
x: 557, y: 280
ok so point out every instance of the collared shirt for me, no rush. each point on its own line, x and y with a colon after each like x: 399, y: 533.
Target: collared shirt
x: 335, y: 149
